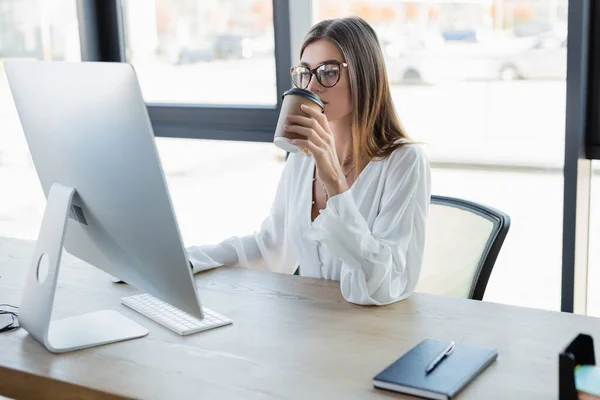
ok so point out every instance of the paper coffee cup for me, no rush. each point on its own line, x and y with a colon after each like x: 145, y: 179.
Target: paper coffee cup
x: 292, y: 100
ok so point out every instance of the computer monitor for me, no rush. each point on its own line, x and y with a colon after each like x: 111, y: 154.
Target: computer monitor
x: 93, y: 148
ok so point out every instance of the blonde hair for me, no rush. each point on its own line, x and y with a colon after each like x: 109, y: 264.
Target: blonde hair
x: 375, y: 124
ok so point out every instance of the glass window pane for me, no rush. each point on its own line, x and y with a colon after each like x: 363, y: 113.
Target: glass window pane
x: 37, y: 30
x: 209, y: 182
x: 207, y: 52
x: 204, y: 177
x: 482, y: 84
x: 593, y: 289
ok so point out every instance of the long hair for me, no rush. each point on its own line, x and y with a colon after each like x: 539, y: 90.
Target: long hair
x: 375, y: 124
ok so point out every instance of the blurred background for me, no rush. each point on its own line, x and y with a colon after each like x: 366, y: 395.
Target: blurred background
x: 480, y: 82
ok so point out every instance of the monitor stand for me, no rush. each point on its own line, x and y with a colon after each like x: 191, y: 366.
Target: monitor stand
x: 74, y: 333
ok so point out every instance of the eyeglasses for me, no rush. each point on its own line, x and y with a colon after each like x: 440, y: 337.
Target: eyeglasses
x: 328, y: 74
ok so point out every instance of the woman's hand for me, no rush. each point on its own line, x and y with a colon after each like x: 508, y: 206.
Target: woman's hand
x: 321, y: 144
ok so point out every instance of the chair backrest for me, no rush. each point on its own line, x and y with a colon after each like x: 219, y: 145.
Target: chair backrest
x: 462, y: 243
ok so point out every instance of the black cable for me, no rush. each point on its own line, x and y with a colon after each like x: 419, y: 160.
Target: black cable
x: 14, y: 325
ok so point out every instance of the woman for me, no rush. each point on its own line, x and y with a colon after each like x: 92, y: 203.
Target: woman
x: 352, y: 205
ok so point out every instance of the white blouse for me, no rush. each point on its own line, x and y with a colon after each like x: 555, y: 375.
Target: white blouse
x: 370, y: 238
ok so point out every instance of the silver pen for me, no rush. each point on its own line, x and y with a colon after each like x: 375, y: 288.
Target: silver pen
x: 445, y: 353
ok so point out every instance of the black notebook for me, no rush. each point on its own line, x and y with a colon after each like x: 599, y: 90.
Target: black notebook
x: 452, y: 374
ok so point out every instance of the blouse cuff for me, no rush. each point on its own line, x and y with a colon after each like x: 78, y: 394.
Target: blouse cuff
x: 344, y: 230
x: 200, y: 260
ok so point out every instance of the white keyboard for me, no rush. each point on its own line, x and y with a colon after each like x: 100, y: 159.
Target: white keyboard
x: 173, y: 318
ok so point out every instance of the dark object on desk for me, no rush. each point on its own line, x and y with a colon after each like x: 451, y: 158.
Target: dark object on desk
x: 579, y: 352
x: 12, y: 312
x: 408, y: 374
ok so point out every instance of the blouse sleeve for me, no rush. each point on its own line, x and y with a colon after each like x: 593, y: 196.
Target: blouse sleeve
x: 265, y: 249
x: 382, y: 265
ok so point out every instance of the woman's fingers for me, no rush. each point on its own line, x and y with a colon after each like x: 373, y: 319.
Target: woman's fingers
x: 309, y: 133
x: 306, y: 122
x: 318, y: 116
x: 307, y: 144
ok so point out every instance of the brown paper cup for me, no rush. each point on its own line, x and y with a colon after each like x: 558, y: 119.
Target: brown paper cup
x: 292, y: 100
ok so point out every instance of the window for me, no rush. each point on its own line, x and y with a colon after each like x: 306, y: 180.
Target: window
x: 220, y: 188
x: 204, y: 176
x: 203, y: 52
x: 29, y: 29
x: 39, y: 30
x: 593, y: 288
x: 482, y: 83
x: 472, y: 81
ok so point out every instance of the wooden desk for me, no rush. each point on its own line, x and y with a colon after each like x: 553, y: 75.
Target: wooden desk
x: 292, y: 337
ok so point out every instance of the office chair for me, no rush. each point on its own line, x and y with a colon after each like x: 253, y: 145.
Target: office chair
x: 462, y: 243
